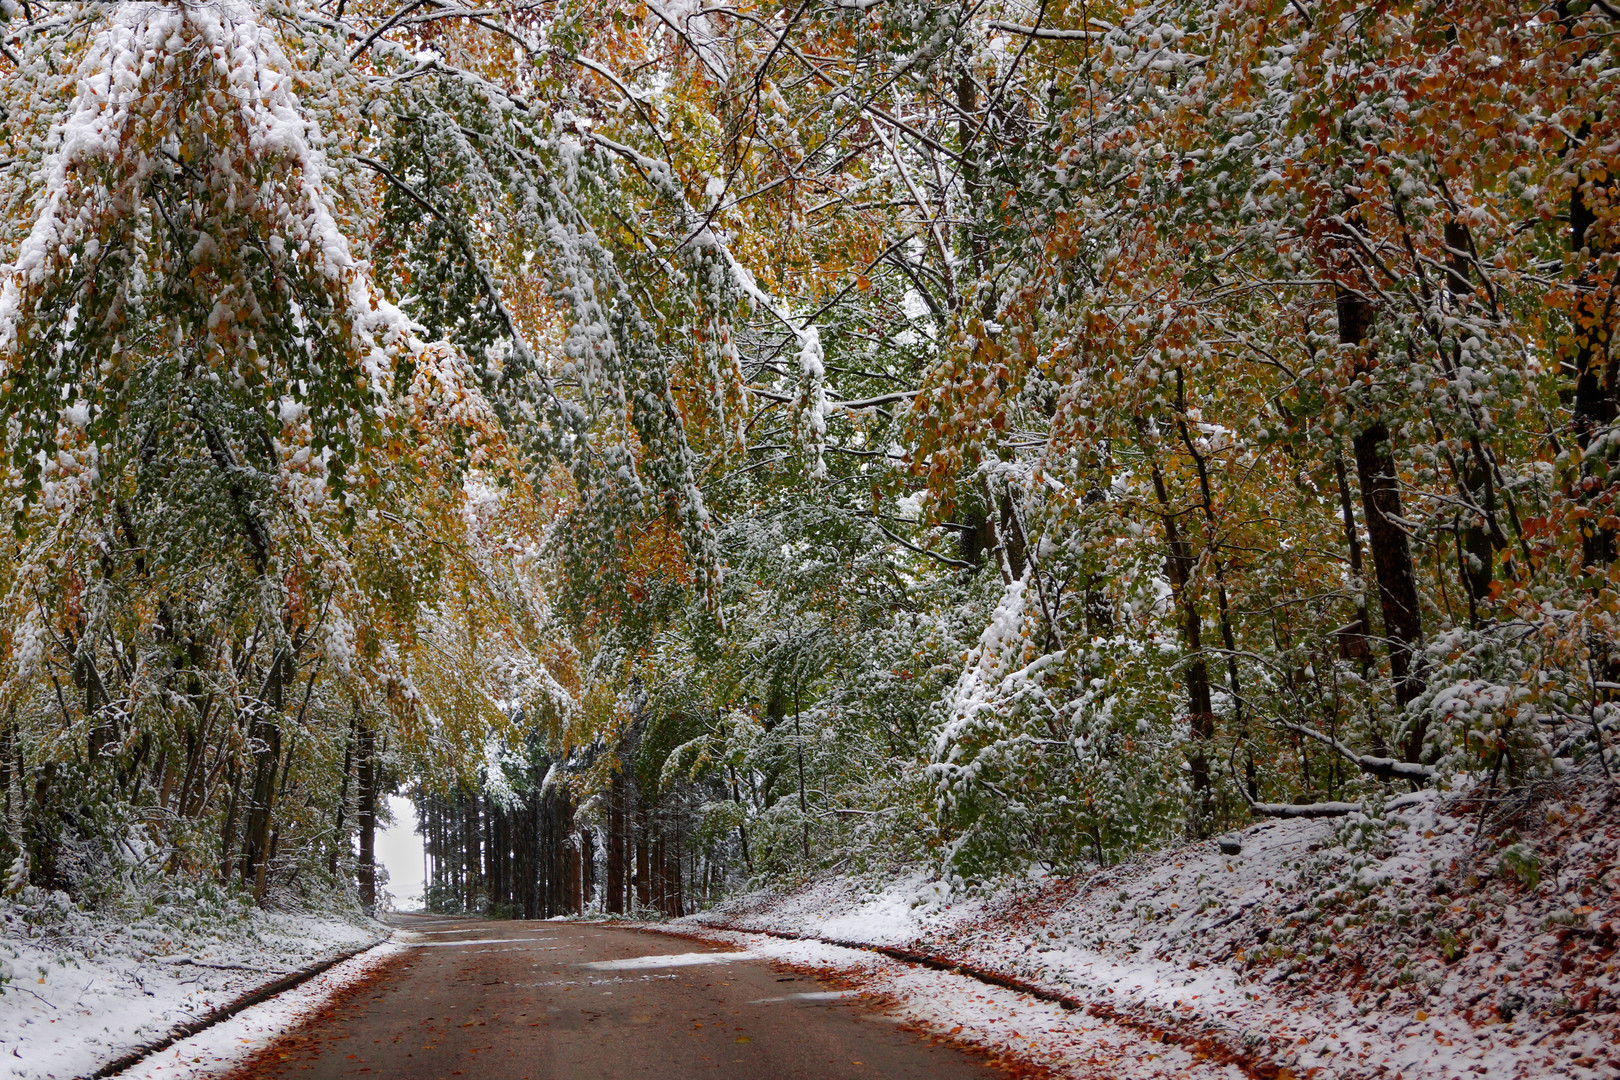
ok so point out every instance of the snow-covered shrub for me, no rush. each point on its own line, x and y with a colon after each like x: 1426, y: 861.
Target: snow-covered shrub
x: 1521, y: 864
x: 1064, y: 757
x: 1513, y: 698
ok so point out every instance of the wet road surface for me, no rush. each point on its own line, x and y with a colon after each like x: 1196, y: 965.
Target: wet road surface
x: 571, y: 1001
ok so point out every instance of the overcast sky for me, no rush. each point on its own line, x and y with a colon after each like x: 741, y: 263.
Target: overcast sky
x: 399, y: 848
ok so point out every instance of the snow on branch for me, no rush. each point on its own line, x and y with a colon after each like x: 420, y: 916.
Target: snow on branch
x: 1381, y: 767
x: 811, y: 401
x: 1045, y: 33
x: 1305, y: 810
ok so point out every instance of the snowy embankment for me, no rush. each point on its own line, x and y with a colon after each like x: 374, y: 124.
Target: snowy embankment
x: 87, y: 989
x: 1393, y: 946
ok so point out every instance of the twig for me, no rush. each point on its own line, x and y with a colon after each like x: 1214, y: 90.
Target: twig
x: 25, y: 990
x: 1047, y: 33
x: 1383, y: 768
x: 1485, y: 801
x: 955, y: 564
x: 180, y: 960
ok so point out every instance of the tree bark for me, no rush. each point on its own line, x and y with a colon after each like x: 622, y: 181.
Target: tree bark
x: 88, y: 679
x: 1200, y: 704
x: 340, y: 839
x: 366, y: 813
x: 1234, y: 683
x: 742, y: 829
x: 1597, y: 380
x: 227, y: 831
x: 1391, y: 552
x: 643, y: 869
x: 614, y: 901
x: 471, y: 854
x: 1353, y: 638
x: 587, y: 868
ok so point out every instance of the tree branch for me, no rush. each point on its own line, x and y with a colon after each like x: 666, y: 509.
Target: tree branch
x: 488, y: 282
x: 1045, y: 33
x: 1383, y: 768
x: 1305, y: 810
x: 956, y: 564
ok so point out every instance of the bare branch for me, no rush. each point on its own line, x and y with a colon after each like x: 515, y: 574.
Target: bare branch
x: 1305, y: 810
x: 874, y: 402
x: 955, y: 564
x: 1045, y: 32
x: 393, y: 21
x: 1383, y: 768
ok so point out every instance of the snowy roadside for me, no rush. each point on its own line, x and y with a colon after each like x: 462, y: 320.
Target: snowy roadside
x: 87, y: 989
x: 1393, y: 947
x: 218, y: 1051
x: 1015, y: 1029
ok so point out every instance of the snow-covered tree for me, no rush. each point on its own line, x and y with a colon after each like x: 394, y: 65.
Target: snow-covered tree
x: 1103, y: 423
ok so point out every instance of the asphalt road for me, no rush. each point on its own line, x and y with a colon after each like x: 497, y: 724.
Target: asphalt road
x: 569, y: 1001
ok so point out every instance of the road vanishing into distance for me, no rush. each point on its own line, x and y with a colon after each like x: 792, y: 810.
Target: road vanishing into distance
x: 580, y: 1001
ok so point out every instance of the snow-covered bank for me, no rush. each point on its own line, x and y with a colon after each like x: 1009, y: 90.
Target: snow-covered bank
x: 1395, y: 946
x: 223, y: 1049
x: 1017, y: 1031
x: 86, y: 989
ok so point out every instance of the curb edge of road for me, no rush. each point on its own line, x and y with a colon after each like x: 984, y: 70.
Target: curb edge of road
x: 224, y: 1012
x: 1207, y: 1045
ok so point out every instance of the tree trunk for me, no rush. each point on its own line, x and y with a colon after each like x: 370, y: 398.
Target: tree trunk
x: 227, y: 831
x: 340, y: 839
x: 587, y: 868
x: 1200, y: 704
x: 472, y: 854
x: 1477, y: 552
x: 264, y: 736
x: 1391, y: 553
x: 366, y: 813
x: 643, y: 882
x: 660, y: 875
x: 1597, y: 381
x: 489, y: 833
x: 615, y: 846
x: 85, y: 676
x: 678, y: 867
x: 576, y: 873
x: 1353, y: 638
x: 1234, y: 683
x: 40, y: 840
x: 742, y: 829
x: 1476, y: 544
x: 798, y: 744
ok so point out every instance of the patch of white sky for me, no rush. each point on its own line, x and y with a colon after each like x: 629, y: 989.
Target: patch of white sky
x: 399, y: 850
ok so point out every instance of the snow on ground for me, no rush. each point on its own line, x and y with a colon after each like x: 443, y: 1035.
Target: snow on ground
x: 970, y: 1012
x: 218, y: 1050
x: 87, y: 989
x: 1450, y: 938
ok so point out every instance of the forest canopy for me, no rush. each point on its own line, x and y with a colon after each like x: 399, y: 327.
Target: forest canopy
x: 682, y: 444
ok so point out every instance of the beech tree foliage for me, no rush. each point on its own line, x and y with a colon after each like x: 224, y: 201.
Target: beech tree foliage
x: 690, y: 443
